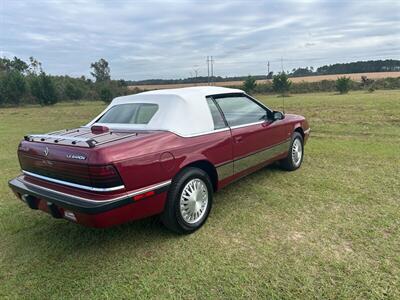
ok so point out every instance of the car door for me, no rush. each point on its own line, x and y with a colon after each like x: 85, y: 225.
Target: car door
x: 255, y: 136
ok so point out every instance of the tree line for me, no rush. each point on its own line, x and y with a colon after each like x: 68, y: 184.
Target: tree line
x: 387, y: 65
x: 281, y: 84
x: 24, y: 82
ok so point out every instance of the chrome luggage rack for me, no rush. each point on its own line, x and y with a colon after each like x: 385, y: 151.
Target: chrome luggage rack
x: 76, y: 137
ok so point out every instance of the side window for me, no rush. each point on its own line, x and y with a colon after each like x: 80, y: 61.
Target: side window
x: 216, y: 115
x: 240, y: 110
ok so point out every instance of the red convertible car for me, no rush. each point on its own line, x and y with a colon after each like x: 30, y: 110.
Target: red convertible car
x: 156, y: 153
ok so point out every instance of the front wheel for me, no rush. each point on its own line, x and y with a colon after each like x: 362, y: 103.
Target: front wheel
x: 295, y: 155
x: 189, y: 201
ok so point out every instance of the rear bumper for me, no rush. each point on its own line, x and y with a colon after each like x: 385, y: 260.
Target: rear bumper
x: 90, y: 212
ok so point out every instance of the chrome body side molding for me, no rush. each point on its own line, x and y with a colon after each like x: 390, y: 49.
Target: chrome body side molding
x: 111, y: 199
x: 230, y: 168
x: 75, y: 185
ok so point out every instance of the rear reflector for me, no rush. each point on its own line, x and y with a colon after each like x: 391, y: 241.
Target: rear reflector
x: 144, y: 195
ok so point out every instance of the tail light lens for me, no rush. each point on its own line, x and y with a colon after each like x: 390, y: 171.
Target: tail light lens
x: 104, y: 176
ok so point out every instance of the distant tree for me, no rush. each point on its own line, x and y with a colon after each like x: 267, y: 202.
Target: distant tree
x: 122, y: 82
x: 361, y: 67
x: 101, y: 70
x: 301, y: 72
x: 106, y: 94
x: 35, y: 66
x: 73, y: 92
x: 343, y: 84
x: 43, y: 88
x: 270, y: 75
x: 12, y: 87
x: 249, y: 84
x: 19, y: 65
x: 281, y: 84
x: 16, y: 64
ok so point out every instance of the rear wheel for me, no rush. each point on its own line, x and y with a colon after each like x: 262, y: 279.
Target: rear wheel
x: 295, y: 155
x: 189, y: 201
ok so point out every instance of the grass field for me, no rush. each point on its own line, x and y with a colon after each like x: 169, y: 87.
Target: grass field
x: 329, y: 230
x: 353, y: 76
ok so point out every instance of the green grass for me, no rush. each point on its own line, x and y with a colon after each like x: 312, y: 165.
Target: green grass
x: 329, y: 230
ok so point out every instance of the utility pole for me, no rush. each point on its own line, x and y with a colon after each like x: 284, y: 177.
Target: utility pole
x: 212, y: 71
x: 268, y: 68
x: 208, y: 70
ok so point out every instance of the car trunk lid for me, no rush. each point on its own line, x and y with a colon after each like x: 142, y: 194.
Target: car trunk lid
x: 67, y: 157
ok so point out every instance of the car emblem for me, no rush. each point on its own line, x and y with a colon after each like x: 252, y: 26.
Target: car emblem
x: 76, y: 156
x: 46, y: 151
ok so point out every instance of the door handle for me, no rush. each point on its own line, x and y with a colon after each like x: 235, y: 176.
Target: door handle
x: 238, y: 139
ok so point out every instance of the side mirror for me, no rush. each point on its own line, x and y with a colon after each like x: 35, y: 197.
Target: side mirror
x: 277, y: 115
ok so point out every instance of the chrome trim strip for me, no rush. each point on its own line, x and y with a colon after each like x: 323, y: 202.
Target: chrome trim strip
x: 225, y: 170
x: 259, y: 157
x: 202, y: 133
x: 229, y: 168
x: 59, y: 137
x: 79, y: 186
x: 136, y: 192
x: 248, y: 124
x: 220, y: 130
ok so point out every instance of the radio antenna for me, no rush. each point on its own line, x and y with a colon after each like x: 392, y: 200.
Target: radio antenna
x: 283, y: 92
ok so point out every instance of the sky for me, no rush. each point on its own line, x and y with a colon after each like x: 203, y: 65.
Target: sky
x: 172, y: 39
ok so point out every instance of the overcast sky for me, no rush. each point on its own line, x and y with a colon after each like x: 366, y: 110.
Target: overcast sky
x: 170, y: 39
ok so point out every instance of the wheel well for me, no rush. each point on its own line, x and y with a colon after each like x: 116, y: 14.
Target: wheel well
x: 207, y: 167
x: 300, y: 130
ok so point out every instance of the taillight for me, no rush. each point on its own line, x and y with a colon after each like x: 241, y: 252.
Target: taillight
x: 104, y: 176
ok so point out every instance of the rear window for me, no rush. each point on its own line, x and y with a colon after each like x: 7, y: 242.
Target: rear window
x: 131, y: 113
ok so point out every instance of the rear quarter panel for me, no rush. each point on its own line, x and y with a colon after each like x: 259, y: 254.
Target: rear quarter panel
x: 160, y: 157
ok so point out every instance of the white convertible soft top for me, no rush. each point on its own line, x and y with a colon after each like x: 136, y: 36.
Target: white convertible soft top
x: 182, y: 111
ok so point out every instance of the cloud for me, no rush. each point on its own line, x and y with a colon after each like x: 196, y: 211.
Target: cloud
x: 166, y: 39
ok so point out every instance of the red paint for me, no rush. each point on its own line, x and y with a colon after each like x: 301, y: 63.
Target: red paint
x: 146, y: 159
x: 135, y: 211
x: 252, y: 138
